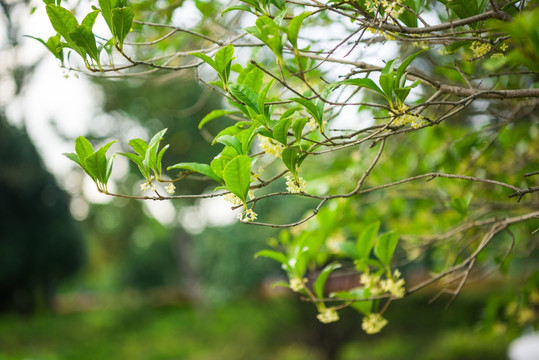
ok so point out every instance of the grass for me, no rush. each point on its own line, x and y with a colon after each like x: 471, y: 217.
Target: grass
x: 260, y: 330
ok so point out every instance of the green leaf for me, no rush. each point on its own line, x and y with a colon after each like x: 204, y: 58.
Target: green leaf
x: 364, y: 82
x: 157, y: 138
x: 106, y: 10
x: 245, y: 95
x: 468, y: 8
x: 223, y: 59
x: 238, y: 8
x: 160, y: 157
x: 122, y: 18
x: 237, y: 176
x: 203, y: 169
x: 83, y: 148
x: 231, y: 130
x: 140, y: 146
x: 298, y: 126
x: 251, y: 77
x: 385, y: 247
x: 214, y: 115
x: 364, y: 307
x: 322, y: 278
x: 404, y: 65
x: 290, y: 159
x: 89, y: 19
x: 220, y: 161
x: 84, y: 38
x: 208, y: 60
x: 294, y: 26
x: 232, y: 141
x: 311, y: 109
x: 365, y: 241
x: 138, y: 160
x: 280, y: 131
x: 275, y: 255
x: 262, y: 96
x: 73, y: 157
x: 62, y: 20
x: 98, y: 165
x: 387, y: 82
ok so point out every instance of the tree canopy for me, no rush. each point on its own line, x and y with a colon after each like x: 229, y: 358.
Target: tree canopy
x: 407, y: 130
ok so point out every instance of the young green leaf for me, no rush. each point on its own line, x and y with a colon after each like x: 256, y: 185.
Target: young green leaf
x: 280, y: 131
x: 214, y: 115
x: 106, y: 10
x: 89, y: 19
x: 294, y: 26
x: 62, y: 20
x: 203, y: 169
x: 404, y: 65
x: 232, y: 141
x: 272, y: 254
x: 311, y: 108
x: 245, y: 95
x: 385, y: 247
x: 220, y: 161
x: 237, y: 176
x: 298, y: 126
x: 262, y: 96
x: 99, y: 165
x: 140, y: 146
x: 365, y: 241
x: 122, y: 18
x: 363, y: 82
x: 138, y: 160
x: 84, y: 38
x: 322, y: 278
x: 290, y: 159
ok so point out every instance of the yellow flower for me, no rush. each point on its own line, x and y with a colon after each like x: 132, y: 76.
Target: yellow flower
x: 247, y: 216
x: 294, y: 187
x: 233, y: 199
x: 297, y: 284
x: 373, y: 323
x: 170, y: 188
x: 480, y: 48
x: 271, y: 146
x: 327, y: 316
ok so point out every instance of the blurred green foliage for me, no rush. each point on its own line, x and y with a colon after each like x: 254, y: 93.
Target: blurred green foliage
x: 40, y: 243
x: 280, y: 329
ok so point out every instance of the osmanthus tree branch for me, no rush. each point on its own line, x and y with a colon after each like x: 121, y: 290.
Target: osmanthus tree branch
x: 357, y: 191
x: 463, y: 268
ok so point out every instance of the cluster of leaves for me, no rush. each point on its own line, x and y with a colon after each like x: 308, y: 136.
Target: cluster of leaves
x: 288, y: 104
x: 80, y: 37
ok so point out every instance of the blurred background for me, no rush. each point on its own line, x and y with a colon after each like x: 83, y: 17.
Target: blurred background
x: 84, y: 276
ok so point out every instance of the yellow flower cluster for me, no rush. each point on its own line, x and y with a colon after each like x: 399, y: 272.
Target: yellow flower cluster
x: 294, y: 187
x: 394, y: 285
x: 247, y: 216
x: 402, y: 118
x: 170, y: 188
x: 297, y: 284
x: 270, y: 146
x: 233, y: 199
x: 328, y: 315
x: 373, y: 323
x: 236, y: 201
x: 371, y: 282
x: 392, y: 8
x: 480, y: 48
x: 148, y: 185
